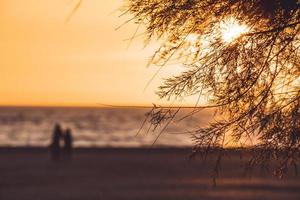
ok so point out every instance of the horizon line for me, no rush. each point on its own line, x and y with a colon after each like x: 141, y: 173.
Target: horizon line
x: 99, y: 105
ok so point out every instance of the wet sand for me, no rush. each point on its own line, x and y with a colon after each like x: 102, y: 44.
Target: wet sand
x: 132, y: 174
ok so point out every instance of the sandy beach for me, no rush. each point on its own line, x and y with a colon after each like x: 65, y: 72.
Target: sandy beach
x: 111, y: 174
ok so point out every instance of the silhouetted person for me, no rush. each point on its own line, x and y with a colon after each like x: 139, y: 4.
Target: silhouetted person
x: 68, y: 143
x: 55, y: 144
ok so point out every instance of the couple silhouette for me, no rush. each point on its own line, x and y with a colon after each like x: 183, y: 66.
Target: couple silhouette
x: 62, y: 143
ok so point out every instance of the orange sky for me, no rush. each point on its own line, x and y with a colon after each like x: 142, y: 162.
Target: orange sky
x: 45, y: 61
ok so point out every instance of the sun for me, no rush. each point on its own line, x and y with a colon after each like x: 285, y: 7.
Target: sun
x: 231, y: 29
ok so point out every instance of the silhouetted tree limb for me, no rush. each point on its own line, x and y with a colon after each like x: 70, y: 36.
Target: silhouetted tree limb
x: 253, y: 81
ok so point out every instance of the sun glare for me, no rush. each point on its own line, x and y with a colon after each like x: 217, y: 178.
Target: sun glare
x: 192, y: 40
x: 231, y: 29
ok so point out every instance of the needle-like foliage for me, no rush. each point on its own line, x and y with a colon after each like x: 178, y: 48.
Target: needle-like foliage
x: 252, y: 80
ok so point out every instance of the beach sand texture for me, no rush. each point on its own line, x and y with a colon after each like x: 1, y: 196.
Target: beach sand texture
x: 132, y: 174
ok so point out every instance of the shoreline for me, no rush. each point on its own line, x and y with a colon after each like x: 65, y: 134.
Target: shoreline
x: 134, y: 174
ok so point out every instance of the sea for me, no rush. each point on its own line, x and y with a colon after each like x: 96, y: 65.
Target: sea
x: 95, y: 127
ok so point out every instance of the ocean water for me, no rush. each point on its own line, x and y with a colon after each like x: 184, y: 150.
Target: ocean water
x: 92, y: 127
